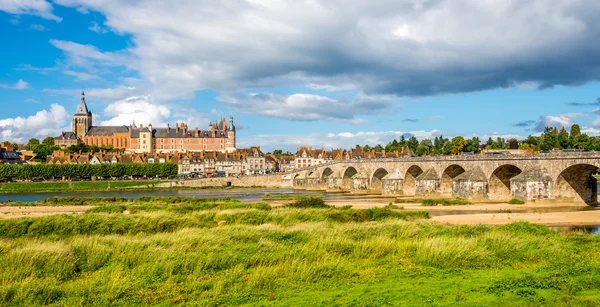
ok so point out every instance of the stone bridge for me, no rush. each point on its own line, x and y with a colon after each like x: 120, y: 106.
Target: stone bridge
x: 564, y: 176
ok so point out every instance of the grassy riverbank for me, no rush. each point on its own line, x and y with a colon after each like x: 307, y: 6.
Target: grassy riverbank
x: 82, y: 186
x: 167, y: 251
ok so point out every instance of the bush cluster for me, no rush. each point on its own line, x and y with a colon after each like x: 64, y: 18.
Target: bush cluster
x: 444, y: 202
x: 87, y: 170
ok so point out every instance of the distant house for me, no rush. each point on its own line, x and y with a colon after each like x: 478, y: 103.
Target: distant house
x: 10, y: 157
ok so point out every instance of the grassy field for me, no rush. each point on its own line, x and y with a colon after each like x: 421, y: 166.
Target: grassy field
x: 84, y: 186
x: 169, y: 251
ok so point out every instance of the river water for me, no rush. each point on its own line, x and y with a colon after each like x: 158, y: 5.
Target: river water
x: 255, y: 195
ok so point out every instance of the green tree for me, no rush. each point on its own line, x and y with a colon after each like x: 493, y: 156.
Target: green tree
x: 563, y: 139
x: 575, y: 132
x: 43, y: 151
x: 278, y: 153
x: 582, y: 141
x: 473, y: 145
x: 32, y: 143
x: 491, y: 144
x: 424, y: 148
x: 548, y: 140
x: 458, y: 144
x: 49, y: 141
x: 413, y: 143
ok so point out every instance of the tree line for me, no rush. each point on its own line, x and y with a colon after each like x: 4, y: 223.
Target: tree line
x: 29, y: 171
x: 551, y: 138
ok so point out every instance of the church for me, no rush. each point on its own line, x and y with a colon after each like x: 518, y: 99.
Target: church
x: 220, y: 135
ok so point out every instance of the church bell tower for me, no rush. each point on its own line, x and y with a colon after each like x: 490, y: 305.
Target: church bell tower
x: 82, y: 121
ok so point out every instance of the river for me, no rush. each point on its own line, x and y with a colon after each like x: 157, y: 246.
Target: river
x: 256, y: 194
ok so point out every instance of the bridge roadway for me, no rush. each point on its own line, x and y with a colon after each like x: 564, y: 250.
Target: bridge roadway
x: 562, y: 176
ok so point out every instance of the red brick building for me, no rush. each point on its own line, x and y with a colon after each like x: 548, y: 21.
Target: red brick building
x: 220, y: 135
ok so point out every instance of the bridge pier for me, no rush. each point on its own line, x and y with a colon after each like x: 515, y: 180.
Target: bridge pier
x: 359, y: 183
x: 313, y: 183
x: 532, y: 184
x: 392, y: 184
x: 332, y: 183
x: 427, y: 183
x: 471, y: 184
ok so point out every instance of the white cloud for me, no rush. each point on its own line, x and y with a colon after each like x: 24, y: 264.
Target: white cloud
x: 80, y: 75
x: 21, y: 85
x: 120, y: 92
x: 140, y: 109
x: 37, y: 27
x: 97, y: 28
x: 44, y: 123
x: 401, y: 47
x: 554, y: 122
x: 309, y: 107
x: 39, y: 8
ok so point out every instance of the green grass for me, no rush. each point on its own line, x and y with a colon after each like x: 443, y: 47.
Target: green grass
x: 515, y: 201
x: 84, y: 186
x: 444, y: 202
x: 293, y: 256
x: 288, y: 197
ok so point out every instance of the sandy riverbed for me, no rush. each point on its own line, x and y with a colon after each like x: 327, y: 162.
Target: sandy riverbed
x: 559, y: 214
x: 10, y: 212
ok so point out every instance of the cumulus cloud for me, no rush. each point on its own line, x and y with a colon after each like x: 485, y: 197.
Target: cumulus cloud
x: 20, y: 85
x: 309, y: 107
x: 140, y: 109
x: 406, y: 48
x: 39, y: 8
x: 554, y: 122
x: 42, y: 124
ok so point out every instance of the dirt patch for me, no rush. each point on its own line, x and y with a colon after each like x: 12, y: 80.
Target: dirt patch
x: 35, y: 211
x: 579, y: 218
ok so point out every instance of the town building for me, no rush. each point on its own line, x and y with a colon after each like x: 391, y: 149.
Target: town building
x: 220, y: 135
x: 11, y: 157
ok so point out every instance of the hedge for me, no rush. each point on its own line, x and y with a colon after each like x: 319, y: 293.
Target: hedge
x: 87, y: 170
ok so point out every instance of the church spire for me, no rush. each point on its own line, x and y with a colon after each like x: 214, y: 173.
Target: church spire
x: 82, y: 109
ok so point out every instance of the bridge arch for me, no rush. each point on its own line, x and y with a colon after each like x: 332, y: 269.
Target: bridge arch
x: 446, y: 181
x: 327, y: 172
x: 376, y: 185
x: 410, y: 182
x: 577, y: 183
x: 347, y: 175
x: 295, y: 179
x: 499, y: 182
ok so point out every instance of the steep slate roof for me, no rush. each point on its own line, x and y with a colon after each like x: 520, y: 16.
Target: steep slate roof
x: 82, y: 109
x: 67, y: 136
x: 107, y: 130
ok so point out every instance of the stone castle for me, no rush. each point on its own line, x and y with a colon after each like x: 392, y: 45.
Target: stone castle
x: 220, y: 136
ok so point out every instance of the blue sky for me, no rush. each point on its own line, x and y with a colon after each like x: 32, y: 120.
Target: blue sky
x: 320, y: 73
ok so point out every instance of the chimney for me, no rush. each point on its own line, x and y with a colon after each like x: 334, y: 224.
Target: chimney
x: 197, y: 132
x: 176, y: 127
x: 141, y: 126
x: 168, y: 128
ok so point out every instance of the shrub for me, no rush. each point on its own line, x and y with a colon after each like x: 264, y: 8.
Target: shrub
x: 444, y: 202
x: 515, y: 201
x: 309, y: 203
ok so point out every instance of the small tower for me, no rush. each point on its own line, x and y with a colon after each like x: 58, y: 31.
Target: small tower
x: 231, y: 138
x: 82, y: 121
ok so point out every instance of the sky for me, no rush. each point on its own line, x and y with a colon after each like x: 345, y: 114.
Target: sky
x: 328, y: 73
